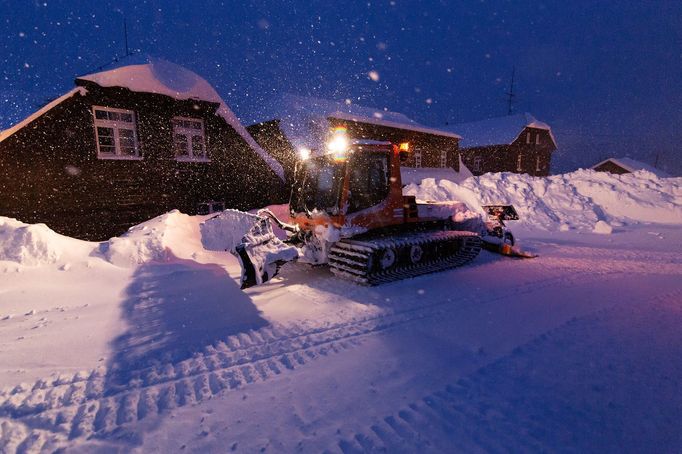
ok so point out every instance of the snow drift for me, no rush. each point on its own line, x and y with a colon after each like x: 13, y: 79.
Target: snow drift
x: 36, y: 244
x: 582, y: 200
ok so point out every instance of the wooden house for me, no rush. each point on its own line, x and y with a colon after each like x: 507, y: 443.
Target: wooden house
x: 129, y: 144
x: 296, y: 122
x: 626, y: 165
x: 514, y: 143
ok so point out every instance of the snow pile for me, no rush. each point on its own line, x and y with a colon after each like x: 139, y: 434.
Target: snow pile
x: 578, y: 200
x: 159, y: 239
x: 36, y: 244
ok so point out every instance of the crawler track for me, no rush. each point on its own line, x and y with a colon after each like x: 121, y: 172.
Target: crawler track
x: 409, y: 255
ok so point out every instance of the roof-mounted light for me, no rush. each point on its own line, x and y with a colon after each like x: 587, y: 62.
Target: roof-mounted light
x: 338, y: 144
x: 304, y: 153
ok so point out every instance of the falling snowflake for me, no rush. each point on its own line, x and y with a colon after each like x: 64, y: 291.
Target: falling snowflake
x: 373, y: 75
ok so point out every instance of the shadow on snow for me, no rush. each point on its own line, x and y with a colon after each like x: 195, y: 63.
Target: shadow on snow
x: 174, y: 310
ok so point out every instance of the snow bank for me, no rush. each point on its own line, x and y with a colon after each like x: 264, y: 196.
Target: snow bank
x: 37, y: 244
x: 170, y: 235
x: 577, y: 200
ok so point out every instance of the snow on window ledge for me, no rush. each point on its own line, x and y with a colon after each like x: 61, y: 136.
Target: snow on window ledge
x: 119, y: 158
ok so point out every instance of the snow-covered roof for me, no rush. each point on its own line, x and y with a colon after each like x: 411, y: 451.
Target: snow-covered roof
x: 304, y: 119
x: 632, y: 165
x: 39, y: 113
x: 497, y: 131
x: 166, y: 78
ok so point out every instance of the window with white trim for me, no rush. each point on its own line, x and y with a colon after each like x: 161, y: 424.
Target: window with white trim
x: 537, y: 164
x: 115, y: 133
x: 189, y: 139
x: 537, y: 139
x: 527, y: 137
x: 443, y: 158
x: 518, y: 163
x: 417, y: 158
x: 477, y: 164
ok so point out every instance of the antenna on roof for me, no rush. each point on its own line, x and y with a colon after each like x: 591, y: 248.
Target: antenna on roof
x: 116, y: 59
x: 125, y: 35
x: 510, y: 93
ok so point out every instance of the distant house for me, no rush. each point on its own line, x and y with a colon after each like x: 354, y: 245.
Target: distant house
x: 626, y: 165
x: 128, y: 144
x: 295, y: 122
x: 514, y: 143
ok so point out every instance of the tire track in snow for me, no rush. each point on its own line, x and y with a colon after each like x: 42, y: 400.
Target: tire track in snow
x: 68, y: 408
x: 462, y: 418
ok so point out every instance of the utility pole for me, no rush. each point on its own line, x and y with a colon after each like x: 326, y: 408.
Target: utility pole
x: 510, y: 93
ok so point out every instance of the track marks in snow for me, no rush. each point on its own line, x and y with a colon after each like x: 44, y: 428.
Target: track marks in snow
x: 544, y: 395
x: 88, y: 404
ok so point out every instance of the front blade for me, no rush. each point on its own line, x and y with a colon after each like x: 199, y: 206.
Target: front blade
x: 251, y: 239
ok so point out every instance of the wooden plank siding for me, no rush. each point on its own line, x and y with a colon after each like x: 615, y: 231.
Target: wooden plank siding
x: 50, y: 171
x: 269, y: 135
x: 535, y: 157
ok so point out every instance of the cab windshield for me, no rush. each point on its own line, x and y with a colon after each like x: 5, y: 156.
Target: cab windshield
x: 318, y: 186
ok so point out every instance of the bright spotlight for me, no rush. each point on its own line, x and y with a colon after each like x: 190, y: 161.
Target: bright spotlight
x: 304, y: 153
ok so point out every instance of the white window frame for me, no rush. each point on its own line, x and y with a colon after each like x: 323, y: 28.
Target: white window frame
x: 417, y: 158
x: 537, y: 139
x: 444, y: 158
x: 519, y: 162
x: 527, y: 137
x: 537, y: 164
x: 116, y: 126
x: 477, y: 163
x: 190, y: 133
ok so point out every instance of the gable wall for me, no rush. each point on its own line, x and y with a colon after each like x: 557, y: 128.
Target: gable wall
x: 50, y: 172
x: 611, y: 167
x: 503, y: 158
x: 430, y: 144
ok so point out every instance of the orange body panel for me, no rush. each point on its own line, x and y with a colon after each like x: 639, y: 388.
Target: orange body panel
x: 392, y: 211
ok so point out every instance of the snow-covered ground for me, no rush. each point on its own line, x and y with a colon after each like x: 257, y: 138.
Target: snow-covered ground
x: 147, y: 343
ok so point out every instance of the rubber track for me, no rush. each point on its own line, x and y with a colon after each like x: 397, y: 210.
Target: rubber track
x: 352, y: 259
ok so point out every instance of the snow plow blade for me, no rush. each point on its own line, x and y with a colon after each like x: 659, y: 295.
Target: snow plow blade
x: 507, y: 249
x: 251, y: 239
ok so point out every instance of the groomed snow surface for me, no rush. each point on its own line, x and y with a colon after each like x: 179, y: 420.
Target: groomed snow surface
x: 146, y: 343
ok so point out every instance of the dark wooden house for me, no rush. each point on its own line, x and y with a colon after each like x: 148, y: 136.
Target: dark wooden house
x: 514, y: 143
x: 296, y: 122
x: 626, y: 165
x: 129, y: 144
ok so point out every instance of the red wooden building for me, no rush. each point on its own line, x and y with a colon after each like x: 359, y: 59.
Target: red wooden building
x: 126, y: 145
x: 514, y: 143
x: 626, y: 165
x: 296, y: 122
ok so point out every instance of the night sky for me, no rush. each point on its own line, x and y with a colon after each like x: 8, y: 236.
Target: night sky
x: 607, y: 76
